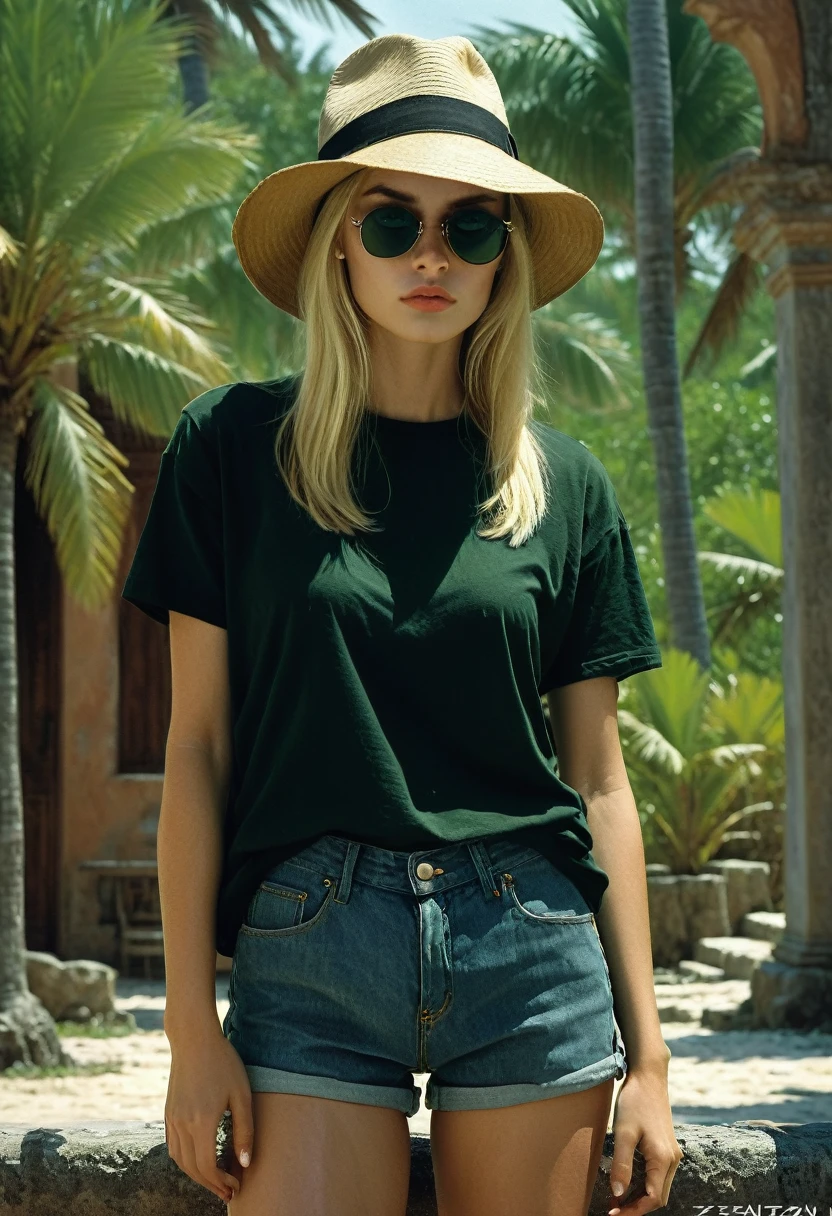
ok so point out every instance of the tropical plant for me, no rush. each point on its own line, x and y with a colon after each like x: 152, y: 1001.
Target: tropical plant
x: 207, y: 19
x: 753, y: 519
x: 569, y: 105
x: 584, y: 355
x: 94, y: 153
x: 695, y: 748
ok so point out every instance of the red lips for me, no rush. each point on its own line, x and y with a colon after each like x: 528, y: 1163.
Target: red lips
x: 429, y: 293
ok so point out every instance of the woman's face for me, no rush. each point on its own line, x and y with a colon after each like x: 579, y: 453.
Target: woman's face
x: 379, y: 284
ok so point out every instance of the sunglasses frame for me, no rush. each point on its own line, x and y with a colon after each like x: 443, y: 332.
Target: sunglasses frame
x: 443, y: 226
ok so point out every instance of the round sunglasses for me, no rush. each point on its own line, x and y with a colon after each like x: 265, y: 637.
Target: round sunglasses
x: 473, y: 234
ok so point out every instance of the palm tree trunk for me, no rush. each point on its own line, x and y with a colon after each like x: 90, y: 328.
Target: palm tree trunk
x: 653, y: 126
x: 193, y: 69
x: 194, y: 74
x: 27, y: 1031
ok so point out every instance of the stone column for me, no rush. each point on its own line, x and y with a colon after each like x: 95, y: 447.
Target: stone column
x: 787, y: 226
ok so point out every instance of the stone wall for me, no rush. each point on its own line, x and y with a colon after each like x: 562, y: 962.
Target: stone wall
x: 123, y: 1169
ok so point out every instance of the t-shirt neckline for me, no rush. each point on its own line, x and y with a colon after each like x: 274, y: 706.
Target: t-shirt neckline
x: 416, y: 423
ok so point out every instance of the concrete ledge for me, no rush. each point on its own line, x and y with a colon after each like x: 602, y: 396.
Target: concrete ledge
x: 123, y: 1169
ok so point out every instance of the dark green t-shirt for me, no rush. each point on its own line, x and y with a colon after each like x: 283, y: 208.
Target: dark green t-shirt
x: 386, y: 687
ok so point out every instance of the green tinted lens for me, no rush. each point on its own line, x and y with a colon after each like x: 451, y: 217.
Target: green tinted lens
x: 474, y: 235
x: 389, y: 232
x: 477, y: 236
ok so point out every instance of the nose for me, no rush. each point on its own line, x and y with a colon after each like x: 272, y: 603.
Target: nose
x: 431, y: 245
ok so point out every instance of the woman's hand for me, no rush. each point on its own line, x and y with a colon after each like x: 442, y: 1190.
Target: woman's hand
x: 207, y: 1077
x: 643, y: 1119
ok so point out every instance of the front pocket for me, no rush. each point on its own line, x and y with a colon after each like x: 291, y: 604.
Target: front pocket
x: 279, y: 910
x: 545, y: 907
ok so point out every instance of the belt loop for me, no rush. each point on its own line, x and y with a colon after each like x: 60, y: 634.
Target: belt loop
x: 482, y: 862
x: 342, y: 893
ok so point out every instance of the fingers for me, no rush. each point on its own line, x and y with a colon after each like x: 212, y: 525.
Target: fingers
x: 621, y: 1170
x: 205, y: 1147
x: 193, y: 1147
x: 242, y: 1121
x: 658, y: 1176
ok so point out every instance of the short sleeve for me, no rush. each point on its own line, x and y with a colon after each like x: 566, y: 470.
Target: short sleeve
x: 610, y: 630
x: 179, y: 562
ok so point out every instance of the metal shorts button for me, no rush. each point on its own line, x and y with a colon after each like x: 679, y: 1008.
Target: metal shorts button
x: 424, y: 869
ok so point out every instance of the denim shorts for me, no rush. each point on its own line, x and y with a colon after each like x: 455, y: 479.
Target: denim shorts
x: 477, y: 963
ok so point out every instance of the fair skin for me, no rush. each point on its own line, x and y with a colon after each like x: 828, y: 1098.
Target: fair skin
x: 319, y: 1155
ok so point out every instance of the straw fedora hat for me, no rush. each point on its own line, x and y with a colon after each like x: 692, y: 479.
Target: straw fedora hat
x: 419, y: 105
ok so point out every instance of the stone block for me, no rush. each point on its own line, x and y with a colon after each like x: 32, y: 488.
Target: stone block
x: 767, y: 926
x: 737, y: 956
x: 704, y: 972
x: 747, y: 887
x: 683, y: 908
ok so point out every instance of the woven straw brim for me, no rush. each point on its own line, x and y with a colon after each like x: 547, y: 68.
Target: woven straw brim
x: 274, y: 221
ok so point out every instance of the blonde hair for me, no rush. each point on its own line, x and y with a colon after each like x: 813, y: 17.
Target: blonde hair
x: 501, y: 377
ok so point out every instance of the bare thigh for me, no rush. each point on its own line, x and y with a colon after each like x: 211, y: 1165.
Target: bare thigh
x: 538, y: 1158
x: 321, y: 1155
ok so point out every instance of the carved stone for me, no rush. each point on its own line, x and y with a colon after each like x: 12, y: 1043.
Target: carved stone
x: 767, y: 35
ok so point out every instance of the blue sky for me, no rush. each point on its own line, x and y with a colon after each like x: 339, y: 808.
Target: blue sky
x: 428, y: 19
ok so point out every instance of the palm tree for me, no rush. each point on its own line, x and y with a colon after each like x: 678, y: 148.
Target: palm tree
x: 207, y: 18
x: 94, y: 153
x: 570, y: 110
x: 653, y: 125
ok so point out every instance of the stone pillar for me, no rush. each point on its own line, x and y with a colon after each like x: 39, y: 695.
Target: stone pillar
x: 787, y: 226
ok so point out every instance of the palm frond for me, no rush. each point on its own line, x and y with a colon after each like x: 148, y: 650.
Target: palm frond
x: 165, y: 323
x: 722, y: 321
x: 74, y: 474
x: 649, y: 744
x: 173, y: 164
x: 592, y: 364
x: 123, y: 75
x: 145, y: 390
x: 755, y: 520
x: 760, y: 367
x: 9, y: 247
x: 181, y: 241
x: 748, y: 567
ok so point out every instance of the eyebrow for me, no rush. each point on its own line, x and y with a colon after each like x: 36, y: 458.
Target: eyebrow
x: 401, y: 197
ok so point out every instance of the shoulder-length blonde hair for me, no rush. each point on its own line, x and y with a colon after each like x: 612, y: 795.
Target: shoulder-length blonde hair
x: 498, y: 366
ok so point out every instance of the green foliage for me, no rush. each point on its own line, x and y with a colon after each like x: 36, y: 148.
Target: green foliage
x: 568, y: 100
x: 96, y: 159
x: 731, y: 433
x: 698, y: 751
x: 569, y: 105
x: 257, y: 340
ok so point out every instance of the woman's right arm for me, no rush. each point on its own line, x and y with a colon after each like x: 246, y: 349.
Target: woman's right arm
x: 207, y: 1075
x: 197, y: 772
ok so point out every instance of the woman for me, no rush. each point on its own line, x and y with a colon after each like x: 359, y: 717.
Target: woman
x: 372, y: 573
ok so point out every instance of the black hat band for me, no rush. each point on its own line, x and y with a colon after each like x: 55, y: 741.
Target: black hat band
x: 426, y: 112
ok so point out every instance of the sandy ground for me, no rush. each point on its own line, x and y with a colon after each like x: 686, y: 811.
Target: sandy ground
x: 715, y: 1077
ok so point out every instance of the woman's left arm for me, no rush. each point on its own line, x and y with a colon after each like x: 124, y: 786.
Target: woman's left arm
x: 584, y: 718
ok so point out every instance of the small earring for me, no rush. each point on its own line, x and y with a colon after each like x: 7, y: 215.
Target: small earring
x: 338, y: 253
